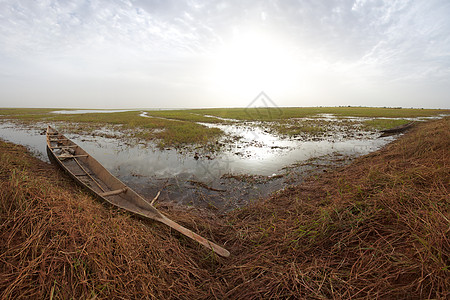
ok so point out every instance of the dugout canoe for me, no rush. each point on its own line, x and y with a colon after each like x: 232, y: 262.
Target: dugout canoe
x: 398, y: 129
x: 89, y: 173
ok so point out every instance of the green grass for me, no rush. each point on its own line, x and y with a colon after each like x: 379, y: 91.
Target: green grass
x: 262, y: 114
x: 24, y: 111
x: 168, y: 133
x: 182, y: 115
x: 267, y: 114
x: 293, y: 130
x: 382, y: 124
x: 179, y: 127
x: 312, y: 126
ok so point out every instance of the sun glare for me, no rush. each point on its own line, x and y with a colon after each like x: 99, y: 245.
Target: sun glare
x: 254, y: 62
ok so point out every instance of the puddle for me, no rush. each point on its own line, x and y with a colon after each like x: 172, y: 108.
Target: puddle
x: 252, y: 162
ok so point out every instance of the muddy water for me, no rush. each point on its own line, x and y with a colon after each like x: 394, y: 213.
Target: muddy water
x: 252, y: 162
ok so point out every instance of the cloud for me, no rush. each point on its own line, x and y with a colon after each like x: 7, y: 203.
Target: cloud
x: 169, y: 45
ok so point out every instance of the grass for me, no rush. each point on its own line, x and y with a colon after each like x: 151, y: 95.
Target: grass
x: 261, y: 114
x: 297, y: 129
x: 167, y: 133
x: 378, y: 228
x: 269, y: 114
x: 60, y: 243
x: 179, y: 128
x: 182, y: 115
x: 381, y: 124
x: 24, y: 111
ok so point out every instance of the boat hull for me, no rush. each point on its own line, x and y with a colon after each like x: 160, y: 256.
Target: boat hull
x: 89, y: 173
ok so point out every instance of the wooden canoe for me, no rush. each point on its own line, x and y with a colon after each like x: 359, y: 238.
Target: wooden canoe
x: 88, y: 172
x: 398, y: 129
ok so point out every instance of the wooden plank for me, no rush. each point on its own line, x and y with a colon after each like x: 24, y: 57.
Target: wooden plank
x: 87, y: 173
x: 64, y: 147
x: 72, y: 156
x: 112, y: 193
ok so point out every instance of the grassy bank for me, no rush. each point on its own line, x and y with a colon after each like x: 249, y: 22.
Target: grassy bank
x: 378, y: 228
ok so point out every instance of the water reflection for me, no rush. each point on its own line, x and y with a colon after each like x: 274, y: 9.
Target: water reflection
x: 31, y: 138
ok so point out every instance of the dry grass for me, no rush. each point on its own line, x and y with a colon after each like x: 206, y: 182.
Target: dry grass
x: 378, y: 228
x: 59, y: 242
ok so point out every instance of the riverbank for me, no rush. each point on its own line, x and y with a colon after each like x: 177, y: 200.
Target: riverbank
x: 376, y: 228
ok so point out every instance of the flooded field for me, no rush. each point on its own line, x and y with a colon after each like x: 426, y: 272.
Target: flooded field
x: 250, y: 159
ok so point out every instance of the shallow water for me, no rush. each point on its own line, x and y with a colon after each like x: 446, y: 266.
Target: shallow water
x: 246, y: 150
x: 28, y: 137
x: 259, y: 152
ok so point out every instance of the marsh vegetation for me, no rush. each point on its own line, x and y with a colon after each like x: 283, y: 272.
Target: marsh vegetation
x: 178, y: 128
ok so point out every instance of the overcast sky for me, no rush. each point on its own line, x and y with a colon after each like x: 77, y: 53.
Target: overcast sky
x: 192, y: 53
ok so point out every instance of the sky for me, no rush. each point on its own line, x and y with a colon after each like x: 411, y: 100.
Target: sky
x: 192, y: 53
